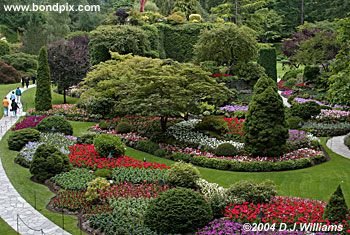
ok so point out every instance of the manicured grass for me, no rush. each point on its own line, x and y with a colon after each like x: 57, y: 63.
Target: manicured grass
x: 6, y: 229
x: 80, y: 128
x: 4, y: 90
x: 28, y: 99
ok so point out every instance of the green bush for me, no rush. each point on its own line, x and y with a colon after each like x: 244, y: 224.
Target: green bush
x: 293, y: 73
x: 103, y: 173
x: 147, y: 146
x: 347, y: 141
x: 109, y: 144
x: 55, y: 124
x: 295, y: 122
x: 327, y: 129
x: 195, y: 18
x: 87, y: 138
x: 176, y: 18
x: 18, y: 139
x: 178, y: 211
x: 138, y: 175
x: 226, y: 150
x: 123, y: 127
x: 43, y: 97
x: 76, y: 179
x: 336, y: 209
x: 4, y: 48
x: 25, y: 64
x: 102, y: 106
x: 183, y: 175
x: 48, y: 162
x: 253, y: 192
x: 311, y: 74
x: 214, y: 124
x: 160, y: 153
x: 305, y: 110
x: 267, y: 59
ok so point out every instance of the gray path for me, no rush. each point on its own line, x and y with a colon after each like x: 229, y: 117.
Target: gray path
x: 12, y: 204
x: 336, y: 144
x: 285, y: 100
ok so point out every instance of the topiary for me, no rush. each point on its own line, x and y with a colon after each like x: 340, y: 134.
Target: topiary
x: 295, y: 122
x: 109, y: 145
x: 176, y: 18
x: 55, y: 124
x: 183, y: 175
x: 226, y: 149
x: 18, y: 139
x: 195, y: 18
x: 43, y: 90
x: 147, y: 146
x: 47, y: 162
x: 215, y: 124
x: 178, y: 211
x: 252, y: 192
x: 87, y: 138
x: 305, y: 110
x: 123, y: 127
x: 336, y: 209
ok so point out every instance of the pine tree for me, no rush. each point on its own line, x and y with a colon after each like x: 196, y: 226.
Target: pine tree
x: 43, y: 90
x: 265, y: 127
x: 336, y: 209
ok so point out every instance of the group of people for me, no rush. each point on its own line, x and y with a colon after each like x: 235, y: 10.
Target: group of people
x: 15, y: 99
x: 26, y: 80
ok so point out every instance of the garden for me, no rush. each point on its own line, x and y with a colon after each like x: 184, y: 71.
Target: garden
x: 181, y: 117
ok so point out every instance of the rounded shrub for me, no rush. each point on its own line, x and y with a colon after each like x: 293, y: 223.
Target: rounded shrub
x: 47, y: 162
x: 147, y: 146
x: 8, y: 74
x: 109, y: 144
x: 87, y: 138
x: 195, y: 18
x: 183, y: 175
x: 213, y: 123
x: 306, y: 110
x: 295, y: 122
x: 178, y: 211
x: 18, y: 139
x: 226, y: 149
x: 123, y: 127
x: 55, y: 124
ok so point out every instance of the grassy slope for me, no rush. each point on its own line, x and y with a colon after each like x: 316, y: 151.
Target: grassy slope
x: 4, y: 90
x: 5, y: 229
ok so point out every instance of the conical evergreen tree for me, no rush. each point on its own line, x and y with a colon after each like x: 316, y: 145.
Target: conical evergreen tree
x: 336, y: 209
x: 265, y: 127
x: 43, y: 90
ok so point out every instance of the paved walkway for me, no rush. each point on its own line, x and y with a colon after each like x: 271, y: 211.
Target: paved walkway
x: 12, y: 204
x: 336, y: 144
x: 285, y: 100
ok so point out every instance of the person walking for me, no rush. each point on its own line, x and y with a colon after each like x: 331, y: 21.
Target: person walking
x: 6, y: 104
x: 14, y: 108
x: 33, y: 79
x: 23, y: 81
x: 13, y: 96
x: 18, y: 95
x: 27, y: 82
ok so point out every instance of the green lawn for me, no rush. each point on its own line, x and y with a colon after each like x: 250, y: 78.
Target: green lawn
x: 6, y: 229
x: 4, y: 90
x: 29, y: 96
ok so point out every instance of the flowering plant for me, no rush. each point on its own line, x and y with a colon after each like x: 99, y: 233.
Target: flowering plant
x: 333, y: 116
x: 235, y: 126
x: 234, y: 108
x: 29, y: 122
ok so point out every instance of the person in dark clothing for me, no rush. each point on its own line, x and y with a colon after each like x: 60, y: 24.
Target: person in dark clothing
x: 23, y: 80
x: 33, y: 79
x: 14, y: 108
x: 27, y: 82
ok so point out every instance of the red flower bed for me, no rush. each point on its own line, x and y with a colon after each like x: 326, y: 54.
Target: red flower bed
x: 279, y: 210
x: 85, y: 155
x: 235, y: 126
x: 216, y: 75
x: 29, y: 122
x: 281, y: 86
x: 128, y: 189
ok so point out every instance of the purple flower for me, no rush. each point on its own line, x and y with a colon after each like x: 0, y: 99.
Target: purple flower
x: 234, y: 108
x: 302, y: 100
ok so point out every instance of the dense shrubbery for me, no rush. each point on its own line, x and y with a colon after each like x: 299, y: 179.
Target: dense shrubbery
x: 183, y: 175
x: 18, y: 139
x: 123, y: 127
x: 327, y: 129
x: 109, y: 144
x: 306, y: 110
x: 87, y: 138
x: 147, y: 146
x: 26, y: 64
x: 47, y: 162
x: 8, y: 74
x: 55, y: 124
x: 138, y: 175
x: 4, y: 48
x: 76, y: 179
x: 214, y: 124
x: 178, y: 211
x: 295, y: 122
x: 267, y: 59
x: 226, y: 149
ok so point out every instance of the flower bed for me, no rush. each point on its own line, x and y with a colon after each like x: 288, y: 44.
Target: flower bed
x: 85, y: 155
x: 234, y: 108
x: 327, y: 129
x: 333, y: 116
x: 235, y: 126
x: 29, y: 122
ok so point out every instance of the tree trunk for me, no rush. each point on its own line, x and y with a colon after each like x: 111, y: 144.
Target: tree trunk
x: 163, y: 122
x: 64, y: 96
x: 142, y: 5
x: 302, y: 12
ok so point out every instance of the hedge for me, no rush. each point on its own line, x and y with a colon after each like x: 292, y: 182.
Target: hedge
x: 267, y: 59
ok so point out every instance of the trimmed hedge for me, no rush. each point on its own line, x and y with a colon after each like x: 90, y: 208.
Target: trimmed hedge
x: 267, y: 59
x: 109, y: 144
x: 55, y: 124
x: 18, y: 139
x: 327, y: 129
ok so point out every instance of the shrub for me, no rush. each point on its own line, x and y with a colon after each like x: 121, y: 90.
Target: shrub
x: 4, y: 48
x: 183, y: 175
x: 123, y: 127
x: 138, y: 175
x: 311, y: 74
x: 347, y: 141
x: 87, y: 138
x: 213, y: 123
x: 336, y: 209
x: 267, y: 59
x: 253, y: 192
x: 43, y: 90
x: 55, y: 124
x: 327, y: 129
x: 226, y: 149
x: 109, y: 144
x: 76, y: 179
x: 176, y: 18
x: 103, y: 173
x: 195, y: 18
x: 295, y: 122
x: 8, y: 74
x: 147, y: 146
x: 25, y: 64
x: 291, y: 74
x: 18, y: 139
x: 94, y: 187
x: 47, y: 162
x: 178, y: 211
x: 102, y: 106
x: 160, y: 153
x: 306, y: 110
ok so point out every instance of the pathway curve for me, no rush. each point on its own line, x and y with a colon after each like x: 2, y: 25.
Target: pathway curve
x: 11, y: 202
x: 336, y: 144
x: 285, y: 100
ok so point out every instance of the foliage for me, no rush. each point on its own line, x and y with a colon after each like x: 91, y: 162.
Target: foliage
x: 267, y: 59
x: 327, y: 129
x: 18, y: 139
x: 43, y: 89
x: 339, y: 88
x: 291, y: 74
x: 8, y: 74
x: 93, y: 188
x: 195, y: 18
x: 47, y: 162
x: 312, y: 74
x: 4, y: 48
x: 305, y: 110
x: 35, y: 35
x: 87, y: 138
x: 225, y: 150
x: 55, y: 124
x: 109, y: 145
x: 178, y: 211
x: 295, y: 122
x: 187, y: 7
x: 250, y: 72
x: 25, y: 64
x: 265, y: 125
x: 213, y: 123
x: 138, y: 175
x: 253, y: 192
x: 76, y: 179
x: 176, y: 18
x: 183, y: 175
x: 147, y: 146
x: 336, y: 209
x: 100, y: 106
x: 123, y: 127
x: 104, y: 173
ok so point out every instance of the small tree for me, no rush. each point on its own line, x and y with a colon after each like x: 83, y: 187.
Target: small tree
x: 336, y: 209
x: 265, y: 126
x: 43, y: 90
x: 267, y: 59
